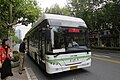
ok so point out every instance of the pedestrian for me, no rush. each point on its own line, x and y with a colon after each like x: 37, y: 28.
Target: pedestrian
x: 22, y: 50
x: 5, y: 59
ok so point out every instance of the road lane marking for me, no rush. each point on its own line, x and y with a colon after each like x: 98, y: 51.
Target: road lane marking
x: 108, y: 60
x: 101, y: 56
x: 28, y: 75
x: 107, y: 56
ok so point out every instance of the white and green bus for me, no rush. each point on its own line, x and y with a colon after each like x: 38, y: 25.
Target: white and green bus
x: 48, y: 42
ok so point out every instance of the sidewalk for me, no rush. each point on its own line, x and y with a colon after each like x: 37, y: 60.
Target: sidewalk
x: 17, y: 76
x: 28, y: 74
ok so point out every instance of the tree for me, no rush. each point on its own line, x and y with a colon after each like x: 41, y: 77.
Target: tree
x: 16, y: 39
x: 28, y: 10
x: 98, y: 14
x: 55, y: 9
x: 66, y: 11
x: 114, y: 16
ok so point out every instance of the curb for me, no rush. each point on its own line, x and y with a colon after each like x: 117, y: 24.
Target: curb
x: 30, y: 74
x: 100, y: 50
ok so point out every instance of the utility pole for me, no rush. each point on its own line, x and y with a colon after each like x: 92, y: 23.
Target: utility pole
x: 10, y: 13
x: 0, y: 12
x: 10, y: 17
x: 10, y: 23
x: 0, y: 16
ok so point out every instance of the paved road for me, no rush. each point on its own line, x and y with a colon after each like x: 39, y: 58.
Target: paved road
x: 105, y: 66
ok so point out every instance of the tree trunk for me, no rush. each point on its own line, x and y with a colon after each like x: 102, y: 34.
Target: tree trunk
x: 119, y: 39
x: 98, y: 39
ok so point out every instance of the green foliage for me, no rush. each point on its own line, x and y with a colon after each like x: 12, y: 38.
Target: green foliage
x: 3, y: 32
x: 66, y: 11
x: 26, y: 9
x: 80, y: 6
x: 55, y: 9
x: 16, y: 39
x: 16, y: 56
x: 98, y: 14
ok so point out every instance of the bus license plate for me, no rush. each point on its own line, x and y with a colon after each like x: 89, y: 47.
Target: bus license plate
x: 73, y: 67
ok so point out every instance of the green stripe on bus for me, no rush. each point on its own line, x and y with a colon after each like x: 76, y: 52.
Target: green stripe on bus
x: 64, y: 59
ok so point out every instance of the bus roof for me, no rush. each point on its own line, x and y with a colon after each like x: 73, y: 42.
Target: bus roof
x: 61, y: 20
x: 62, y: 17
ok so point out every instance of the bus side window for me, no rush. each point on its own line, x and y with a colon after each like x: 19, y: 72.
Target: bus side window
x: 43, y: 45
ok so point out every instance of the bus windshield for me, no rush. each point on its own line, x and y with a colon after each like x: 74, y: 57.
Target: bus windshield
x: 70, y: 38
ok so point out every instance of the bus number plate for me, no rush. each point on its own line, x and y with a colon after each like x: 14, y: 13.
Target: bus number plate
x: 73, y: 67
